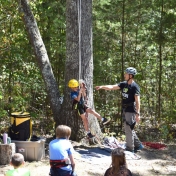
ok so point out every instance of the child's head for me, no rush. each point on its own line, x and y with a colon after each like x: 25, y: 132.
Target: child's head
x: 118, y: 159
x: 17, y: 160
x: 63, y: 131
x: 73, y: 83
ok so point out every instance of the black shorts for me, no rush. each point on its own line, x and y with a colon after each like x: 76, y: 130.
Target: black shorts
x: 81, y: 108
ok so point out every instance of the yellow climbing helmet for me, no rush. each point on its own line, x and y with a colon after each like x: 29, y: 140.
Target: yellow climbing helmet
x: 73, y: 83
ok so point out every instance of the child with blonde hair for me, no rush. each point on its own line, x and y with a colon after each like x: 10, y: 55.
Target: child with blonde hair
x: 61, y: 153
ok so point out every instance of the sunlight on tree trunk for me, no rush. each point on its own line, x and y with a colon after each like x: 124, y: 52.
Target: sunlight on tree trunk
x: 41, y: 56
x: 73, y: 64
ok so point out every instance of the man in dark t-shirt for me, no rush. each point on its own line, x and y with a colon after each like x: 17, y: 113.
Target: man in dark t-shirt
x: 130, y: 105
x: 129, y: 91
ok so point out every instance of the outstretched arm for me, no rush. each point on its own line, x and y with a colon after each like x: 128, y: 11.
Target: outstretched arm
x: 83, y: 89
x: 108, y: 87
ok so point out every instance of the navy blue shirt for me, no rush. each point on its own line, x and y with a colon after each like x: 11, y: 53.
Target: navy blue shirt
x: 74, y: 94
x: 128, y: 93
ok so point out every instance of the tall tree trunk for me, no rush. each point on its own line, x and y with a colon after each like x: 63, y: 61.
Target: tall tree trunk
x: 123, y: 48
x: 123, y: 39
x: 41, y: 56
x: 160, y: 62
x: 79, y: 63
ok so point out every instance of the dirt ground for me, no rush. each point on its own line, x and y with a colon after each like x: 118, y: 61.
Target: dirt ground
x: 153, y: 162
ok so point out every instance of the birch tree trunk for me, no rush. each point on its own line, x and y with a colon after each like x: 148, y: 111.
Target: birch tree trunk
x: 41, y: 56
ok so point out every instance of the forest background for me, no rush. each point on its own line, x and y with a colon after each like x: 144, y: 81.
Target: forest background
x: 126, y: 33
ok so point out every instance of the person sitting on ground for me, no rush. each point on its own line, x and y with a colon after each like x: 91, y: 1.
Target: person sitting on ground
x: 119, y: 167
x: 17, y: 162
x: 79, y: 97
x: 61, y: 153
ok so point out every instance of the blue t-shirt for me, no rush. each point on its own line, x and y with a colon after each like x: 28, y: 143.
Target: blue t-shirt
x: 60, y: 149
x: 128, y: 93
x: 74, y: 94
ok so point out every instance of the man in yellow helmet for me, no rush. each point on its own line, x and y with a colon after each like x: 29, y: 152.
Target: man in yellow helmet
x: 78, y: 96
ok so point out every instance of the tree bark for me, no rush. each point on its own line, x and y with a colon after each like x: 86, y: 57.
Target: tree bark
x: 6, y: 152
x: 41, y: 56
x: 159, y: 107
x: 78, y: 15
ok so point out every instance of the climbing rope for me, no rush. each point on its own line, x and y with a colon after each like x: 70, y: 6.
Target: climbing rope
x: 79, y: 35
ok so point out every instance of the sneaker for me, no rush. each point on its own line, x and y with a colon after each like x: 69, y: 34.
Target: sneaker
x: 126, y: 149
x: 90, y: 135
x: 105, y: 121
x: 138, y: 148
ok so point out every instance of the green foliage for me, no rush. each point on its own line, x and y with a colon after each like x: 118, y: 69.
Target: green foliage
x: 146, y: 27
x: 125, y: 33
x: 22, y: 87
x: 164, y: 131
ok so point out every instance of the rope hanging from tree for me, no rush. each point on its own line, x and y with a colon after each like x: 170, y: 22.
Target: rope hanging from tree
x: 79, y: 35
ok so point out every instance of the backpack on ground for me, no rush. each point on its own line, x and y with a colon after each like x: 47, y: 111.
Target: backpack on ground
x: 21, y: 126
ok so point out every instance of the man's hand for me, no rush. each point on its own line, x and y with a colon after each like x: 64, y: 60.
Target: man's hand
x: 98, y: 87
x: 137, y: 118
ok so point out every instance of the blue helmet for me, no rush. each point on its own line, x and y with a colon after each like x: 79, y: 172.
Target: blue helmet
x: 131, y: 71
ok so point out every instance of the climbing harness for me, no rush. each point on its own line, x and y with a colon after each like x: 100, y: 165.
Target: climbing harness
x: 124, y: 106
x: 58, y: 163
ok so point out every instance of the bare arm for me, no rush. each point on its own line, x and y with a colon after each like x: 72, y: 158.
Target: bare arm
x: 137, y: 100
x: 72, y: 162
x: 108, y: 87
x: 81, y: 93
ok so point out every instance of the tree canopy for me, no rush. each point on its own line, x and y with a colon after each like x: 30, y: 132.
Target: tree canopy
x: 126, y: 33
